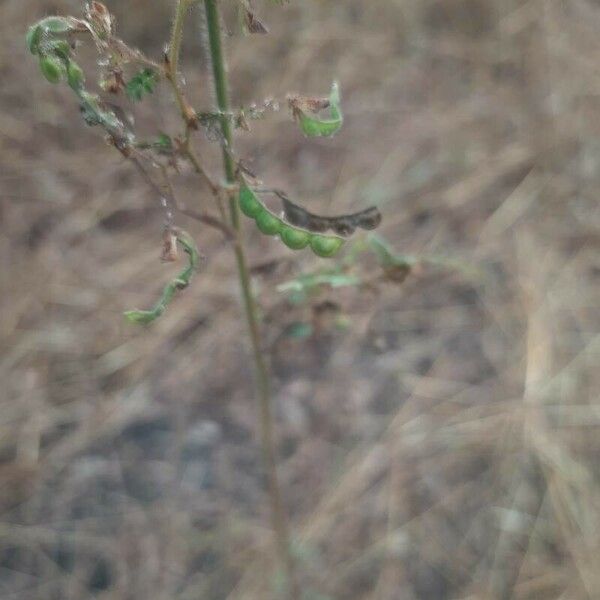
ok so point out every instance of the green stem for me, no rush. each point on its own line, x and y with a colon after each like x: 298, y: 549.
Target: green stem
x: 175, y: 50
x: 263, y: 387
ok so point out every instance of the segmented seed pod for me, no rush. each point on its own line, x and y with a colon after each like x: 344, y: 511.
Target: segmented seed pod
x: 268, y: 223
x: 293, y: 238
x: 75, y: 75
x: 249, y: 203
x: 34, y: 36
x: 325, y: 246
x: 51, y: 68
x: 61, y: 48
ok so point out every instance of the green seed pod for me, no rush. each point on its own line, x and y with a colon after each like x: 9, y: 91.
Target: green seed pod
x: 293, y: 238
x: 51, y: 68
x: 249, y: 203
x: 56, y: 24
x: 325, y: 246
x: 75, y: 75
x: 34, y: 36
x: 268, y: 223
x: 61, y: 48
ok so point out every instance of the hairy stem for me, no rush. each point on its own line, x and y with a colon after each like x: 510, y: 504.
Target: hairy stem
x: 173, y: 55
x: 263, y: 387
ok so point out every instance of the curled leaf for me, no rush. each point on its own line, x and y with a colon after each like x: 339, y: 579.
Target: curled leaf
x: 180, y: 282
x: 312, y: 126
x: 396, y: 267
x: 386, y: 255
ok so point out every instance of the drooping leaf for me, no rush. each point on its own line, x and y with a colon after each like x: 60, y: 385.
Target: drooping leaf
x: 141, y: 84
x: 313, y: 126
x: 396, y: 267
x: 385, y: 254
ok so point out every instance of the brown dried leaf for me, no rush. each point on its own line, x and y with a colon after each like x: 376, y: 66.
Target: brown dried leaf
x: 300, y: 104
x: 99, y: 16
x: 169, y: 248
x: 252, y: 22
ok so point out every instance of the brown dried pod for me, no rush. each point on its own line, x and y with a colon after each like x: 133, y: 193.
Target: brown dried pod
x: 343, y: 225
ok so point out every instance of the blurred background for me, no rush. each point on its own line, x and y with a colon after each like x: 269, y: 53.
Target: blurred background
x: 438, y: 437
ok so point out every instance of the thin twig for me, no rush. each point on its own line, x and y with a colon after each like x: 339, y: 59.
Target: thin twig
x: 174, y: 205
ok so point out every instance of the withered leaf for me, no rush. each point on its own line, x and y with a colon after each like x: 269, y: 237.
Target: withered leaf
x: 100, y: 18
x: 312, y: 104
x: 253, y: 24
x: 169, y: 248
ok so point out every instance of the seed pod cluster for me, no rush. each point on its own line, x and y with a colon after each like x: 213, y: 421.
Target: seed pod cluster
x: 53, y: 52
x: 293, y: 237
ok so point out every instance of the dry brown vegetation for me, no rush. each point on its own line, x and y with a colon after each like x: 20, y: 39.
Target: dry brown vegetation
x: 443, y: 444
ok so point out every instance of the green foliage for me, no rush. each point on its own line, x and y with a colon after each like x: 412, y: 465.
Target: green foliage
x: 315, y: 127
x: 385, y: 254
x: 141, y: 84
x: 334, y: 278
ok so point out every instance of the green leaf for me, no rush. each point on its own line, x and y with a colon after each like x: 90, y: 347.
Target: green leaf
x: 385, y: 254
x: 164, y: 142
x: 140, y: 84
x: 299, y: 330
x: 306, y: 283
x: 315, y: 127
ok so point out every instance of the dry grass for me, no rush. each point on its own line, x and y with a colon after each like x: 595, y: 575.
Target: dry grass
x: 444, y: 445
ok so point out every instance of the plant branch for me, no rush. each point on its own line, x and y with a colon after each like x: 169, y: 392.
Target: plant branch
x: 172, y: 65
x: 173, y: 204
x: 263, y: 387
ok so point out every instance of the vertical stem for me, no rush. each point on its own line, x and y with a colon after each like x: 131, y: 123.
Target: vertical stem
x: 263, y: 388
x: 175, y: 51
